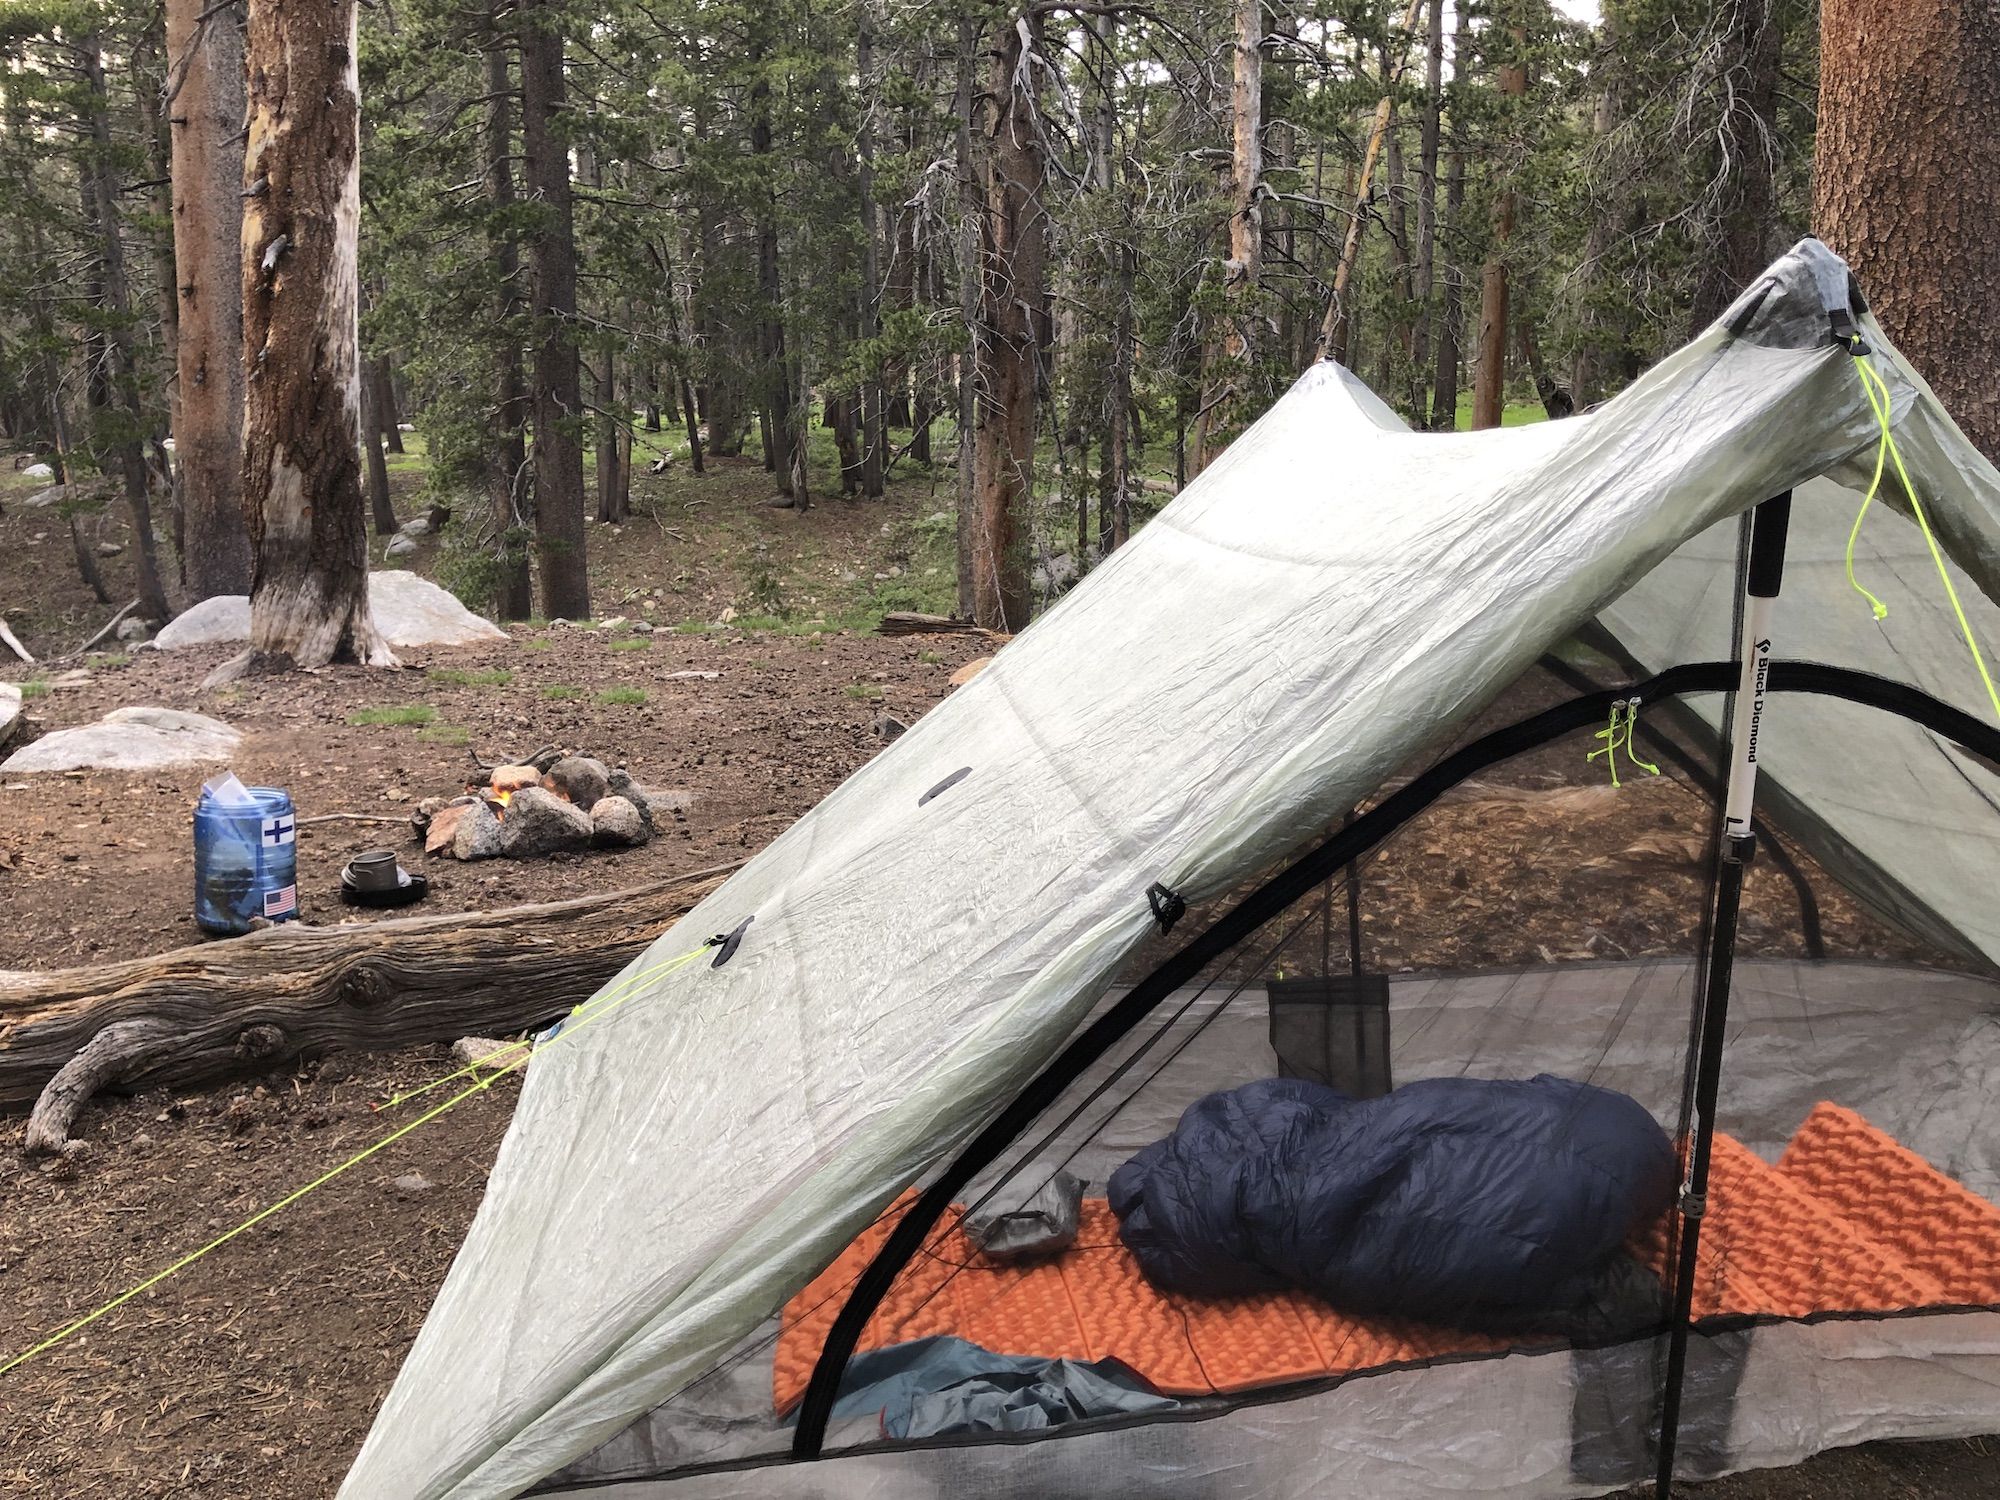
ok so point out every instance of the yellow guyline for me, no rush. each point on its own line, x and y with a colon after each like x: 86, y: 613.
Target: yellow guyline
x: 1885, y: 452
x: 583, y: 1015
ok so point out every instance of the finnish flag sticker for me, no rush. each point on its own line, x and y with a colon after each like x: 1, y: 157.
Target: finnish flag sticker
x: 279, y: 830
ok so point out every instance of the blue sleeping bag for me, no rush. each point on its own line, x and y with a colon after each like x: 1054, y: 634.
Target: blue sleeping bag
x: 1486, y: 1205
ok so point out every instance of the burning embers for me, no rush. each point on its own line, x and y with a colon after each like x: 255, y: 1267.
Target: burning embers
x: 540, y: 807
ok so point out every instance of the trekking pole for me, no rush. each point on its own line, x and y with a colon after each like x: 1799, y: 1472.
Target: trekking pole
x: 1739, y: 844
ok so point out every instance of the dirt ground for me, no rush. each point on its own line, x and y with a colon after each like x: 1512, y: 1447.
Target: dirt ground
x: 256, y: 1373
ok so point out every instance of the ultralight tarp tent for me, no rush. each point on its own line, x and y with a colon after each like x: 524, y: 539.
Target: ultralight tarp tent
x: 1332, y: 594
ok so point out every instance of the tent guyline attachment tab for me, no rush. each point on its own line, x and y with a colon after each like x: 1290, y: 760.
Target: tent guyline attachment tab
x: 1168, y: 906
x: 726, y: 943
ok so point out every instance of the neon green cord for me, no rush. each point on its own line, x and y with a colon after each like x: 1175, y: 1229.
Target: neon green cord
x: 64, y: 1334
x: 1617, y: 735
x: 1879, y: 401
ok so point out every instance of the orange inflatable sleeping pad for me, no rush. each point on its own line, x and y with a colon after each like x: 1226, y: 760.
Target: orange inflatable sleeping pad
x: 1848, y: 1221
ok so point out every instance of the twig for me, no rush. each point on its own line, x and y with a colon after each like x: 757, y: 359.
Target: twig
x: 347, y: 817
x: 109, y: 626
x: 7, y: 638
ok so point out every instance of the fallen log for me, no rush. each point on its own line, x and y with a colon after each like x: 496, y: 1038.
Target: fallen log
x: 293, y: 992
x: 909, y: 622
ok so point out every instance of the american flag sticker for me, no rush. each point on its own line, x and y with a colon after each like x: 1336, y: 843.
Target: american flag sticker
x: 281, y: 902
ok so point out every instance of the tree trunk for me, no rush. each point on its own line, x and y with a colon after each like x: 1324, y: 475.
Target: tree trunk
x: 86, y: 563
x: 205, y: 115
x: 557, y: 386
x: 873, y: 433
x: 1587, y: 370
x: 148, y: 85
x: 507, y: 474
x: 1012, y: 256
x: 1232, y: 357
x: 1748, y: 130
x: 1114, y: 463
x: 301, y: 342
x: 689, y: 408
x: 1489, y: 394
x: 1336, y: 339
x: 1424, y: 280
x: 296, y: 991
x: 117, y: 302
x: 383, y: 375
x: 971, y: 361
x: 1908, y: 150
x: 1451, y: 316
x: 783, y: 439
x: 379, y: 505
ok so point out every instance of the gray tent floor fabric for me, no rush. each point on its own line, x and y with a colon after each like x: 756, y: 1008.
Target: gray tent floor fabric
x: 1915, y: 1051
x: 1907, y: 821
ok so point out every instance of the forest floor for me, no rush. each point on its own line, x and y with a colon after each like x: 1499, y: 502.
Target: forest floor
x: 256, y: 1373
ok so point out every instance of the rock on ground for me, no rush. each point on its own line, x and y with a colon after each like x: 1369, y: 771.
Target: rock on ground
x: 400, y: 546
x: 130, y: 739
x: 10, y: 711
x: 619, y: 783
x: 539, y: 823
x: 581, y: 779
x: 477, y: 835
x: 408, y: 610
x: 133, y: 630
x: 615, y: 823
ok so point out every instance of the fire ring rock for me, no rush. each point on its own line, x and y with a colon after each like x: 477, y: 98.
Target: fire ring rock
x: 621, y: 784
x: 614, y: 821
x: 581, y: 779
x: 539, y: 823
x: 477, y: 835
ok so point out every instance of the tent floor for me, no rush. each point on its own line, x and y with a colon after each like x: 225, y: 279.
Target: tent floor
x: 1915, y: 1052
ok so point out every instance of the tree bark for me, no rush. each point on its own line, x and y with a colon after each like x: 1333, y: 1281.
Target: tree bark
x: 1233, y: 354
x: 971, y: 219
x: 301, y: 345
x: 1489, y: 393
x: 557, y: 388
x: 117, y: 302
x: 1114, y: 464
x: 205, y: 116
x: 295, y: 991
x: 507, y: 475
x: 1012, y: 255
x: 1907, y: 154
x: 873, y: 433
x: 379, y: 506
x: 1424, y: 278
x: 1451, y: 316
x: 784, y: 441
x: 383, y: 374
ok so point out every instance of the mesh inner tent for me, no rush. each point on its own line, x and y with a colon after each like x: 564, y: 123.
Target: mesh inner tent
x: 1816, y: 1266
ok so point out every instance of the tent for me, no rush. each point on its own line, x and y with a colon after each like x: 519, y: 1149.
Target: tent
x: 706, y: 1189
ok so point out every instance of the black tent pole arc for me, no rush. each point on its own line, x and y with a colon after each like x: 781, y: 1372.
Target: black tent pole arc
x: 1768, y: 526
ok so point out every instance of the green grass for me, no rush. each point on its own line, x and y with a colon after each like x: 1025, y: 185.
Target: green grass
x: 866, y: 691
x: 35, y: 687
x: 622, y: 695
x: 537, y: 643
x: 416, y: 714
x: 460, y: 677
x: 561, y: 692
x: 633, y: 643
x: 110, y: 659
x: 930, y: 658
x: 1513, y: 414
x: 446, y: 734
